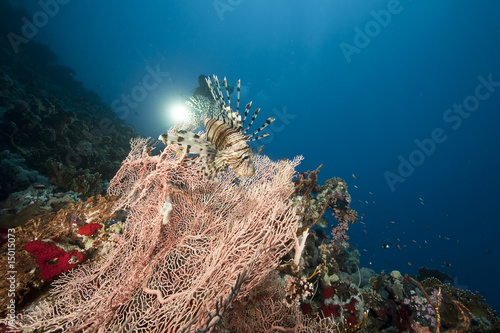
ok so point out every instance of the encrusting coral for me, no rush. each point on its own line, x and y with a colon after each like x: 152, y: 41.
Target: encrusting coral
x: 49, y: 244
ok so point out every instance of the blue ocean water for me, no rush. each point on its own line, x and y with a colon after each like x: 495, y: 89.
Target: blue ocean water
x: 399, y: 98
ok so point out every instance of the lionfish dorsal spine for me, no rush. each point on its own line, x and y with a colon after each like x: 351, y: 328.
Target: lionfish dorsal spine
x: 267, y: 123
x: 238, y: 88
x: 224, y: 82
x: 211, y: 87
x: 255, y: 114
x: 234, y: 119
x: 263, y: 135
x: 247, y: 110
x: 217, y: 96
x: 220, y: 97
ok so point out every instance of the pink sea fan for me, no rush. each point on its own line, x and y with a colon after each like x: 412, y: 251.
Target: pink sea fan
x: 171, y: 272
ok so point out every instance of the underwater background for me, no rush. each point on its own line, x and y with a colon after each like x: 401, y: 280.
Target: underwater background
x: 399, y: 98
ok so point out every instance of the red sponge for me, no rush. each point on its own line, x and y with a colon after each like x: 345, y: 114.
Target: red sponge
x: 52, y: 259
x: 89, y: 229
x: 328, y: 292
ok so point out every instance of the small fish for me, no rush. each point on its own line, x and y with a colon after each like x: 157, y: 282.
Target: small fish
x: 399, y: 247
x: 354, y: 176
x: 409, y: 263
x: 370, y: 192
x: 392, y: 222
x: 39, y: 186
x: 356, y: 186
x: 370, y: 263
x: 385, y: 246
x: 45, y: 296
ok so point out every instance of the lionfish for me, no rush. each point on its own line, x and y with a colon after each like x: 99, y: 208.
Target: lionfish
x: 225, y: 144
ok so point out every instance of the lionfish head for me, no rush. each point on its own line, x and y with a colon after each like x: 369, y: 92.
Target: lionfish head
x: 246, y: 168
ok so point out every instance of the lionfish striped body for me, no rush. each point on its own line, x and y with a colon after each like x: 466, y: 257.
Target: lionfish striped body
x: 226, y: 142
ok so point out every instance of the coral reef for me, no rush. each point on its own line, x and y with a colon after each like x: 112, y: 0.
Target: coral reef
x: 50, y: 243
x: 22, y: 206
x: 189, y: 246
x: 84, y: 183
x: 183, y: 231
x: 46, y: 114
x: 172, y: 251
x: 16, y: 175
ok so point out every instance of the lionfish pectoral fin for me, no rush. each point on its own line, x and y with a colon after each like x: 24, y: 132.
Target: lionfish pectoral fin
x: 190, y: 142
x: 208, y: 168
x: 163, y: 138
